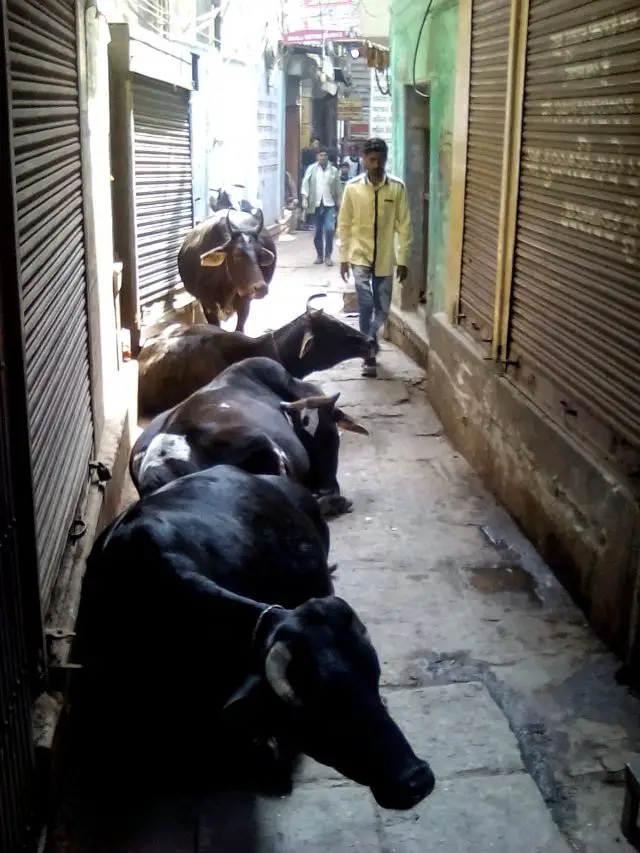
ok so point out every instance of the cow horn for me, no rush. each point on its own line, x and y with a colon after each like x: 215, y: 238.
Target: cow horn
x: 233, y: 231
x: 275, y: 670
x: 295, y: 406
x: 307, y: 342
x: 309, y: 306
x: 259, y: 215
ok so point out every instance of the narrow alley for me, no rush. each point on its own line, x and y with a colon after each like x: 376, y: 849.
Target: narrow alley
x: 488, y: 667
x: 169, y: 640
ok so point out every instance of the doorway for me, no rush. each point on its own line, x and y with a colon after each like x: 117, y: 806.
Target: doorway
x: 417, y: 159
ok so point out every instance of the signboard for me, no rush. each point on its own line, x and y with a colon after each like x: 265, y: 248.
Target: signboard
x: 312, y: 21
x: 305, y: 121
x: 349, y: 109
x: 358, y: 130
x: 380, y: 115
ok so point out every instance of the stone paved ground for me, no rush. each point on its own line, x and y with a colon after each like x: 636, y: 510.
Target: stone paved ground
x: 487, y: 665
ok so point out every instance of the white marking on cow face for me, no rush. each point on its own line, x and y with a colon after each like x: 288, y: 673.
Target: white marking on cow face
x: 310, y: 420
x: 164, y: 446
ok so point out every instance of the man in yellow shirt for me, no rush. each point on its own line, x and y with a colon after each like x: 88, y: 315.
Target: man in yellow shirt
x: 374, y: 212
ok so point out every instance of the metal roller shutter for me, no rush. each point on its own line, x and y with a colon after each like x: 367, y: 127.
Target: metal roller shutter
x: 49, y: 200
x: 575, y: 320
x: 485, y: 148
x: 16, y: 746
x: 163, y: 186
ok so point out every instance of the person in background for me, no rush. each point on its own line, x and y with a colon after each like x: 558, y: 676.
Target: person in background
x: 307, y: 158
x: 344, y: 173
x: 354, y: 161
x: 321, y: 195
x: 374, y: 211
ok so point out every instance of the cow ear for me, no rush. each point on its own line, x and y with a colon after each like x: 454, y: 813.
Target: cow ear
x: 245, y: 697
x: 212, y: 259
x: 307, y: 342
x: 348, y: 424
x: 265, y: 258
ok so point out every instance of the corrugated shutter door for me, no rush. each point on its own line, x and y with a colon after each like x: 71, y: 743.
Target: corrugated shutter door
x: 163, y: 186
x: 575, y: 325
x: 46, y: 127
x: 487, y: 109
x: 16, y: 741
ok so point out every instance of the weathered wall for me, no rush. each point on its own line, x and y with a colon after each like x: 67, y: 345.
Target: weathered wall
x: 381, y: 116
x: 270, y: 143
x: 98, y: 201
x: 435, y: 72
x: 246, y: 108
x: 583, y: 519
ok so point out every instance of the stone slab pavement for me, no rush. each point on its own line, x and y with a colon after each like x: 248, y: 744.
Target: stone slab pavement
x: 487, y: 665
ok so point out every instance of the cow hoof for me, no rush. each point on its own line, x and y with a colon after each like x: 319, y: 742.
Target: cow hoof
x: 334, y: 505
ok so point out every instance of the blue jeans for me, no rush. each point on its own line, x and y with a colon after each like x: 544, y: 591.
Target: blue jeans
x: 325, y: 227
x: 374, y: 299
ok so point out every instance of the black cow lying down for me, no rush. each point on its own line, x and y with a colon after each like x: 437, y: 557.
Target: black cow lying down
x: 207, y: 618
x: 256, y: 416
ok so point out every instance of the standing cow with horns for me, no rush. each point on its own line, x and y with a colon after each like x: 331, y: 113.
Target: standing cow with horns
x: 225, y: 262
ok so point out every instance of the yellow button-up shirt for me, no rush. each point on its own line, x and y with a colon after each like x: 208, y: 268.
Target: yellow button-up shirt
x: 369, y: 221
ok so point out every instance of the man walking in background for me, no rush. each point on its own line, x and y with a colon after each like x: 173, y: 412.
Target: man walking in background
x: 321, y: 194
x: 353, y: 161
x: 374, y: 212
x: 308, y: 156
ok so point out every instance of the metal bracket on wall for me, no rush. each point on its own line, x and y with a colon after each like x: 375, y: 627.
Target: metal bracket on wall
x: 568, y: 409
x: 60, y: 676
x: 101, y: 472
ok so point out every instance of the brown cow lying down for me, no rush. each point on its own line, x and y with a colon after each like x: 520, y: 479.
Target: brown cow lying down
x: 184, y: 358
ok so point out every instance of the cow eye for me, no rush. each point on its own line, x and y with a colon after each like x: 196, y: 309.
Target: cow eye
x: 305, y: 421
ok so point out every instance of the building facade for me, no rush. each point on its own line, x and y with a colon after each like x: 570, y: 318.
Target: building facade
x: 246, y: 106
x: 423, y: 65
x: 533, y: 287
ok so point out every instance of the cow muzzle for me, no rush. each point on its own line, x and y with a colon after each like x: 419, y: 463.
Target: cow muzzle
x: 258, y: 291
x: 406, y: 792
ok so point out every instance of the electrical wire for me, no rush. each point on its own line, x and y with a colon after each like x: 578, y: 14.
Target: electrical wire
x: 415, y: 55
x: 370, y: 14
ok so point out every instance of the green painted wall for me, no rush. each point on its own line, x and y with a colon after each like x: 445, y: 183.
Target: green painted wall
x: 435, y: 65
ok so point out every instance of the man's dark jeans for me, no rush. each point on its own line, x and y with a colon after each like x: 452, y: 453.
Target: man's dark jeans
x: 325, y: 230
